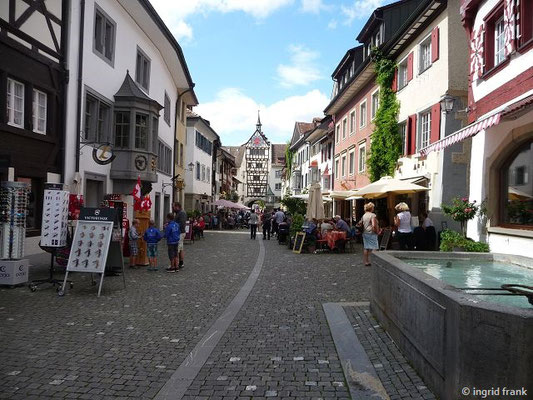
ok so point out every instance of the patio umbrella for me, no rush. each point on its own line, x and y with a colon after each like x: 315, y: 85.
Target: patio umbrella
x: 229, y: 204
x: 315, y: 206
x: 388, y: 185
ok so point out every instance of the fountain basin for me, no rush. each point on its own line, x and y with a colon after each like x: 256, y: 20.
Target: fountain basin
x: 453, y: 339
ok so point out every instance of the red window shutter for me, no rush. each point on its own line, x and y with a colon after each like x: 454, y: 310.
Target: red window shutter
x: 435, y: 44
x: 411, y: 135
x: 394, y: 85
x: 435, y: 123
x: 410, y: 67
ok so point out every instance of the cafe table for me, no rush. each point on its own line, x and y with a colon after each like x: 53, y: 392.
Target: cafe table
x: 333, y: 236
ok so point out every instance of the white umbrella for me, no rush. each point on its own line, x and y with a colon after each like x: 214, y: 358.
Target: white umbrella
x: 387, y: 185
x: 315, y: 206
x: 229, y: 204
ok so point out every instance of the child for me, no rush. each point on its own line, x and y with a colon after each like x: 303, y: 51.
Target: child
x: 134, y: 237
x: 151, y: 237
x: 172, y: 234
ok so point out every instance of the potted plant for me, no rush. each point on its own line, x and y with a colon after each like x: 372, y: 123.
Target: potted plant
x: 462, y: 211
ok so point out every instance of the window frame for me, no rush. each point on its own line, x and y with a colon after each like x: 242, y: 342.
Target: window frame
x: 128, y: 136
x: 106, y: 19
x: 198, y: 171
x: 98, y: 137
x: 10, y: 105
x: 402, y: 128
x: 337, y: 133
x: 362, y: 117
x: 421, y: 140
x: 164, y: 158
x: 361, y: 168
x: 167, y: 110
x: 344, y: 127
x: 489, y: 41
x: 35, y: 117
x: 499, y: 42
x: 343, y: 165
x: 424, y: 42
x: 373, y: 112
x: 353, y: 122
x: 351, y: 162
x: 147, y: 116
x: 403, y: 66
x: 336, y: 167
x: 141, y: 53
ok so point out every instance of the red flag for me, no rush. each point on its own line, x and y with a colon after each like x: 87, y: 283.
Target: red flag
x: 137, y: 191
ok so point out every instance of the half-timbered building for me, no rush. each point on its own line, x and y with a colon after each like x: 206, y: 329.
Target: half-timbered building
x: 33, y: 42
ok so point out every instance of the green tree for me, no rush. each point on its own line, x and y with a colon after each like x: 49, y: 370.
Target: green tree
x: 386, y: 146
x: 288, y: 161
x: 294, y: 205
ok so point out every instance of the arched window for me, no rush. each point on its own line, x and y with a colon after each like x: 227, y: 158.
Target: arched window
x: 517, y: 188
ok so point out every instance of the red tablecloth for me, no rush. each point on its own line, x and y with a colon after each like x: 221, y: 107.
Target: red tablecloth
x: 333, y: 236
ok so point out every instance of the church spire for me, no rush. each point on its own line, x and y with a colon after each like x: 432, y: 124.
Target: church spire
x: 258, y: 125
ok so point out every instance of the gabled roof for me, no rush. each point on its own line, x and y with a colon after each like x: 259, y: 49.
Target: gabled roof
x: 301, y: 129
x: 237, y: 152
x: 376, y: 17
x: 194, y: 118
x: 278, y: 154
x: 348, y: 56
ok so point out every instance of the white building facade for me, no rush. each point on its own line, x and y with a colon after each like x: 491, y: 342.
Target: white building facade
x: 128, y: 79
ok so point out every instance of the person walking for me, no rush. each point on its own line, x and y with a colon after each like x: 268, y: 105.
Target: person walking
x: 133, y: 236
x: 253, y: 224
x: 173, y: 235
x: 266, y: 225
x: 403, y: 221
x: 370, y: 226
x: 152, y: 236
x: 180, y: 216
x: 279, y: 217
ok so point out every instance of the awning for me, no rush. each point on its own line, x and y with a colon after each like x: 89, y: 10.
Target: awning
x: 462, y: 134
x: 417, y: 180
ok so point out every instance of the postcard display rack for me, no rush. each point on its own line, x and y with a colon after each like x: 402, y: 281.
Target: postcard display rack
x: 55, y: 217
x: 13, y: 209
x: 90, y: 245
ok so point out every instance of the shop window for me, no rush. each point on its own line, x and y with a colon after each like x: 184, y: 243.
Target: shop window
x: 15, y: 103
x: 40, y: 109
x: 122, y: 129
x: 104, y: 36
x: 517, y: 188
x: 142, y: 71
x: 97, y: 119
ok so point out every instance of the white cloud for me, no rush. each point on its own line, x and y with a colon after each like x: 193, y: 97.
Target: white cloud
x: 332, y: 24
x: 233, y: 114
x: 174, y: 13
x: 360, y: 9
x: 302, y: 69
x: 312, y: 6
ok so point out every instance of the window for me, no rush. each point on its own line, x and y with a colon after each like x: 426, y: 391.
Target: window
x: 525, y: 29
x: 166, y: 112
x: 208, y: 175
x: 402, y: 74
x: 122, y: 129
x: 164, y: 158
x: 337, y: 168
x: 344, y: 126
x: 362, y: 157
x: 258, y: 165
x: 141, y: 131
x: 362, y: 114
x: 402, y: 127
x: 352, y: 122
x: 203, y: 143
x: 424, y: 53
x: 343, y: 166
x: 181, y: 155
x: 337, y: 133
x: 351, y: 162
x: 104, y: 36
x: 40, y: 107
x: 278, y: 174
x: 277, y: 186
x: 516, y: 188
x: 203, y: 173
x: 15, y: 103
x: 375, y: 103
x: 499, y: 41
x: 424, y: 130
x: 97, y: 119
x: 142, y: 71
x: 198, y: 170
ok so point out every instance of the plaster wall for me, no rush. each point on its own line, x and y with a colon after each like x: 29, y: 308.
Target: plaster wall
x: 105, y: 79
x: 192, y: 184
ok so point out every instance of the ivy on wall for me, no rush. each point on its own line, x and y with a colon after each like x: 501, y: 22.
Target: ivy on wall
x: 288, y: 161
x: 386, y: 146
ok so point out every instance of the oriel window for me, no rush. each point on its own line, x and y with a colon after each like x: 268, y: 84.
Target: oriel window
x: 141, y: 131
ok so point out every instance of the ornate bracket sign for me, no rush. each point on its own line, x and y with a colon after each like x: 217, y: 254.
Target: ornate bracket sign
x: 103, y: 154
x: 141, y: 162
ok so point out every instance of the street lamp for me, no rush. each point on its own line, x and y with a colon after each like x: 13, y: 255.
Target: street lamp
x: 446, y: 103
x: 191, y: 166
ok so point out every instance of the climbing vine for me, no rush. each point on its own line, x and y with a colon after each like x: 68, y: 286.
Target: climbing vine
x: 288, y: 161
x: 386, y: 146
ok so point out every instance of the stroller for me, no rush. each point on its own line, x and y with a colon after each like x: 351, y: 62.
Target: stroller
x: 283, y: 232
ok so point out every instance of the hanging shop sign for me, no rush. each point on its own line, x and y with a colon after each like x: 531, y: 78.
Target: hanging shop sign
x: 103, y: 154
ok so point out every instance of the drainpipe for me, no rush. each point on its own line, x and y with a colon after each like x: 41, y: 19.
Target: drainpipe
x: 80, y: 82
x: 65, y: 16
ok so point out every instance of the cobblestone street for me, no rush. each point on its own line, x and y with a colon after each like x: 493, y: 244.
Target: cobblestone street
x: 130, y: 343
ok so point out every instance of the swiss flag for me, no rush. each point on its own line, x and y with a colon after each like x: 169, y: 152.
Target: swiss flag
x: 137, y: 191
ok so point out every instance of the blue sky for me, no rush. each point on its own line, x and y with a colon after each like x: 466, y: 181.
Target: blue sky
x: 272, y: 55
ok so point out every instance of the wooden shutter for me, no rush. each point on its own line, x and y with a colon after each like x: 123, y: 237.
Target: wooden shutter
x: 411, y: 135
x: 394, y: 85
x: 435, y: 44
x: 435, y: 123
x: 410, y: 67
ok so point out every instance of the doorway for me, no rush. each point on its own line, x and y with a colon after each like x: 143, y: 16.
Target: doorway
x: 157, y: 210
x: 94, y: 190
x: 166, y: 204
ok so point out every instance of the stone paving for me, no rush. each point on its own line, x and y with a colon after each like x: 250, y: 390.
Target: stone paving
x: 127, y: 344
